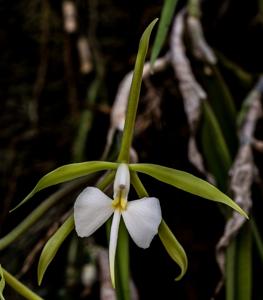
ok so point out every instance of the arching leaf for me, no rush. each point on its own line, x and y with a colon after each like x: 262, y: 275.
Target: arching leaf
x: 173, y: 247
x: 66, y: 173
x: 186, y: 182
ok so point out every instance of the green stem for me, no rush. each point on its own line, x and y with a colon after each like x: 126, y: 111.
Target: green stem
x: 133, y: 100
x: 194, y: 8
x: 20, y: 287
x: 137, y: 184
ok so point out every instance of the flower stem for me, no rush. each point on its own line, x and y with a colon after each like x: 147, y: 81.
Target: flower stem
x: 133, y: 100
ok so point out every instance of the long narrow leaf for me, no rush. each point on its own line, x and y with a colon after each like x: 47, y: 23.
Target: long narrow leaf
x: 134, y: 94
x: 230, y: 270
x: 66, y: 173
x: 122, y: 287
x: 165, y: 21
x: 52, y: 246
x: 186, y: 182
x: 215, y: 162
x: 244, y: 264
x: 223, y: 107
x: 173, y: 247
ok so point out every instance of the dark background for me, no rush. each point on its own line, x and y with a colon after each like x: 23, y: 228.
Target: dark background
x: 31, y: 147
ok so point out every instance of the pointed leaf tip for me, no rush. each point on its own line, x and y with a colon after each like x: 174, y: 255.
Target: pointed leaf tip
x: 173, y: 248
x: 187, y: 182
x: 165, y: 21
x: 52, y: 246
x: 67, y: 173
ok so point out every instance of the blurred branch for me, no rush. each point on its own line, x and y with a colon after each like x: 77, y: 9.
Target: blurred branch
x: 70, y: 26
x: 85, y: 57
x: 69, y: 11
x: 34, y: 216
x: 121, y: 99
x: 30, y: 258
x: 242, y: 171
x: 200, y: 47
x: 191, y: 90
x: 94, y: 90
x: 43, y: 63
x: 152, y: 110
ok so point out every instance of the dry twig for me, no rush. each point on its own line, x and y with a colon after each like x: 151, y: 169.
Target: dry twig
x: 192, y: 92
x: 120, y: 103
x: 242, y: 172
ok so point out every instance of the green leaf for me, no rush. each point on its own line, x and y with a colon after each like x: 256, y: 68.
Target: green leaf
x: 52, y: 246
x: 66, y: 173
x: 223, y: 107
x: 230, y: 270
x: 165, y: 21
x: 173, y: 247
x: 122, y: 255
x: 134, y: 94
x: 2, y: 283
x: 239, y: 266
x: 186, y: 182
x: 216, y: 154
x: 244, y: 263
x: 54, y: 243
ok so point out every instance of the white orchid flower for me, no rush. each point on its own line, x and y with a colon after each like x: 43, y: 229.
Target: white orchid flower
x: 142, y: 217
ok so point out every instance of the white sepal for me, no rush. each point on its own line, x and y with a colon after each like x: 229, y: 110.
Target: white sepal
x: 92, y: 209
x: 142, y: 219
x: 113, y: 243
x: 122, y: 180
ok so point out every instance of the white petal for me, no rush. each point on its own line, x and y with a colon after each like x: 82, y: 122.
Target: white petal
x: 142, y: 219
x: 113, y: 244
x: 122, y: 180
x: 92, y: 208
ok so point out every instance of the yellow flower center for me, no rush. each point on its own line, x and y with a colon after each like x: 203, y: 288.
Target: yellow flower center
x: 120, y: 201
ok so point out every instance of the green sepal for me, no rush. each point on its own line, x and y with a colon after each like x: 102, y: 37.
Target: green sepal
x: 186, y: 182
x: 52, y: 246
x: 2, y: 283
x: 66, y: 173
x: 173, y: 248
